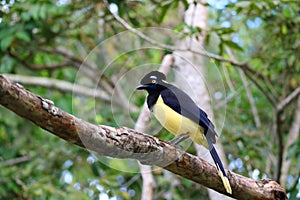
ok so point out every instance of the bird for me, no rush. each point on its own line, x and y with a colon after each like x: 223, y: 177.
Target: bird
x: 180, y: 115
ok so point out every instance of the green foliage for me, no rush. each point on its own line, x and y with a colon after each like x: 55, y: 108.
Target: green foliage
x: 35, y: 35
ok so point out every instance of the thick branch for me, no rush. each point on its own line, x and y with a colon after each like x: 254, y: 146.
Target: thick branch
x: 293, y: 136
x: 127, y: 143
x: 277, y: 129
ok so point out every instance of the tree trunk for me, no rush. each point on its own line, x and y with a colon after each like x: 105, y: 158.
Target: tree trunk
x: 292, y: 138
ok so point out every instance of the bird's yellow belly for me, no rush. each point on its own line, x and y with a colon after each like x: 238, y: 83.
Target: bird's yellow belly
x: 176, y: 123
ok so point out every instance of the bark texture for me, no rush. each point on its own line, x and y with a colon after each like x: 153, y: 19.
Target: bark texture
x: 124, y: 142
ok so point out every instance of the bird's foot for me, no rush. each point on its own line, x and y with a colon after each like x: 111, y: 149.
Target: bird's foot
x: 179, y: 138
x: 176, y: 141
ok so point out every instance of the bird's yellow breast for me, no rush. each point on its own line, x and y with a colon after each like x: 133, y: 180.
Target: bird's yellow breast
x: 177, y: 123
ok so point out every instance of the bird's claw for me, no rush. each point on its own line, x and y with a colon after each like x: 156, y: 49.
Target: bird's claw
x: 179, y: 138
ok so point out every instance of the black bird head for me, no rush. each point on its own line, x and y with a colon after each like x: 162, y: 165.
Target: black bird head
x: 152, y: 81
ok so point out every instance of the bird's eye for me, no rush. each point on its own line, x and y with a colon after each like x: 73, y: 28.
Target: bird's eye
x: 153, y: 81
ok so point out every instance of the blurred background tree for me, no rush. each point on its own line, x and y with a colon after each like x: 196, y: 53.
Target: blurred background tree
x: 259, y: 45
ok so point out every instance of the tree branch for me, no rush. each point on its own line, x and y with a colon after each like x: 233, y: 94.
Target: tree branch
x: 88, y: 69
x: 265, y: 92
x: 248, y: 92
x: 288, y: 99
x: 15, y: 161
x: 127, y: 143
x: 244, y: 66
x: 170, y: 47
x: 60, y: 85
x: 277, y: 129
x: 95, y: 74
x: 250, y: 98
x: 39, y: 67
x: 293, y: 136
x: 66, y: 86
x: 71, y: 61
x: 78, y: 62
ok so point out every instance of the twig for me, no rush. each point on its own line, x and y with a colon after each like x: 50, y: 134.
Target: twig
x: 229, y: 98
x: 263, y: 90
x: 248, y: 92
x: 15, y: 161
x: 39, y: 67
x: 131, y: 181
x: 95, y: 74
x: 71, y: 62
x: 63, y: 86
x: 78, y: 63
x: 87, y: 69
x: 288, y: 99
x: 227, y: 79
x: 251, y: 99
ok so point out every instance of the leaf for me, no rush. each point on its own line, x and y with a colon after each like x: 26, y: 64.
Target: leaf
x: 233, y: 45
x: 25, y: 16
x: 23, y: 35
x: 207, y: 38
x: 288, y: 12
x: 163, y: 13
x: 223, y: 30
x: 98, y: 119
x: 179, y: 28
x: 7, y: 64
x: 43, y: 11
x: 5, y: 43
x: 284, y: 29
x: 34, y: 12
x: 243, y: 4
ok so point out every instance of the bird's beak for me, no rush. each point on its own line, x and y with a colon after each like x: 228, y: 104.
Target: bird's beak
x: 141, y: 87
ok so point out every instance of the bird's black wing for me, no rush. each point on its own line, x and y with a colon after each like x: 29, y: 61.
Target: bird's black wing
x: 184, y: 105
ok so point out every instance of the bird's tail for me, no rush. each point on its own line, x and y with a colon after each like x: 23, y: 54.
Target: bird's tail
x: 220, y: 167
